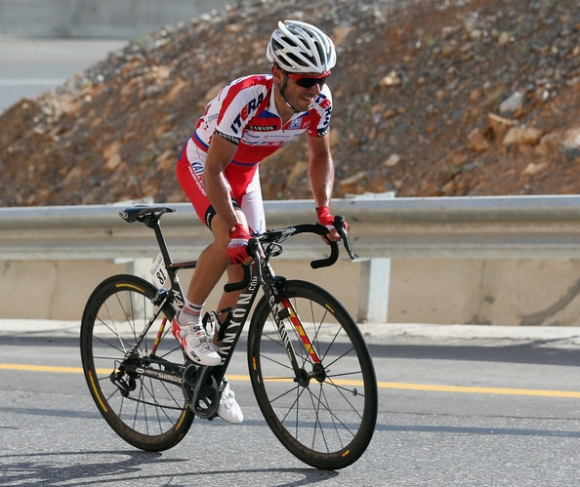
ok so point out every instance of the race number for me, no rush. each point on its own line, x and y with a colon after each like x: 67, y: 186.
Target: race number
x: 158, y: 271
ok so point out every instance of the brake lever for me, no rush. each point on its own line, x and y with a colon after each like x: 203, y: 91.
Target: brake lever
x: 255, y: 250
x: 339, y: 224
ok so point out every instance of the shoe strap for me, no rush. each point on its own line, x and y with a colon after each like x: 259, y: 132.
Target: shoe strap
x: 190, y: 329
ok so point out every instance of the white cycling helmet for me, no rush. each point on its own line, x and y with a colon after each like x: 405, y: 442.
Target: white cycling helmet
x: 298, y: 47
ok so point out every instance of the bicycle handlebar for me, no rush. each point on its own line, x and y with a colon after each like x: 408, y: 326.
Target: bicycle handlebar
x: 150, y: 215
x: 273, y: 236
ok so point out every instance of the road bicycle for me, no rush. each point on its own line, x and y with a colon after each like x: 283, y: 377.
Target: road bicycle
x: 309, y: 366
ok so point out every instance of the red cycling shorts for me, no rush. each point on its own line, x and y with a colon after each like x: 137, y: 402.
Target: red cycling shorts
x: 244, y: 182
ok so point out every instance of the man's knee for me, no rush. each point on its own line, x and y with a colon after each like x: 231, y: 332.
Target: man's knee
x: 235, y: 273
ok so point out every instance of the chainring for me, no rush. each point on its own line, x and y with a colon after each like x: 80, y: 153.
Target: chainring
x: 201, y: 391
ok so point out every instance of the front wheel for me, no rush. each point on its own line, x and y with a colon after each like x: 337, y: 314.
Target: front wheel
x: 138, y: 392
x: 324, y: 414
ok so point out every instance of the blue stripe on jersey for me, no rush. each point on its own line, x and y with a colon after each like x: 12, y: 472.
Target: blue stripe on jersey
x: 245, y: 164
x: 267, y: 114
x: 201, y: 142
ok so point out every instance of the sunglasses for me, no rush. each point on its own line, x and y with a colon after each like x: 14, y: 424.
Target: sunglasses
x: 308, y: 81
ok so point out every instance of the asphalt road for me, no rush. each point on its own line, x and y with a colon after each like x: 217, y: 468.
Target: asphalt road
x: 456, y: 409
x: 30, y: 67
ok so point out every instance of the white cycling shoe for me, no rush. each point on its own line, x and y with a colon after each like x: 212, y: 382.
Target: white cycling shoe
x: 229, y: 409
x: 196, y: 344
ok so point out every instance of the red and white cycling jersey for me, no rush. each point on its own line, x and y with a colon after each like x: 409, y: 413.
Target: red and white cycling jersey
x: 244, y: 112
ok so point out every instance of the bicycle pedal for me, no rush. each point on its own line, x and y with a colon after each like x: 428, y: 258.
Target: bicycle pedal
x: 210, y: 322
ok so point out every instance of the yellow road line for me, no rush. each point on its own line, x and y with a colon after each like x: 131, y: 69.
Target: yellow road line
x: 381, y: 385
x: 40, y: 368
x: 479, y: 390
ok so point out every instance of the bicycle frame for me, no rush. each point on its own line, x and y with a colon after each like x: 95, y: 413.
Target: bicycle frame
x: 238, y: 316
x: 312, y: 375
x: 263, y: 277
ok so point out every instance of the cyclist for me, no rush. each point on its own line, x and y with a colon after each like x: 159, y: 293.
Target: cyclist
x: 248, y: 120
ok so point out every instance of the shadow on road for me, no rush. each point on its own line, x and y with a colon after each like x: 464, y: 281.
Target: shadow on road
x: 105, y: 467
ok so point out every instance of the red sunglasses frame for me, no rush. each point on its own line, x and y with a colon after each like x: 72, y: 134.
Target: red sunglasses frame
x: 308, y: 81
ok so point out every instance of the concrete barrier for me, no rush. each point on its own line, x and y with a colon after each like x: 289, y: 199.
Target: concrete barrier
x: 534, y: 292
x: 488, y: 260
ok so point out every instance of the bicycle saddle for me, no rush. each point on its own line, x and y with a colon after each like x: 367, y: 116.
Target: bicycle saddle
x: 137, y: 213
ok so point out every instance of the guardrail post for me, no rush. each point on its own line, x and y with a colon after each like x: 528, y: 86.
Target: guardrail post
x: 375, y: 277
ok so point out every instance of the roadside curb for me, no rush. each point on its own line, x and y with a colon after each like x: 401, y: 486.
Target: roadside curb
x: 561, y: 335
x: 24, y: 328
x: 371, y: 331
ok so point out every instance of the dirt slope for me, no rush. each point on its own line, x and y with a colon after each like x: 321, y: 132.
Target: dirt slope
x: 431, y: 98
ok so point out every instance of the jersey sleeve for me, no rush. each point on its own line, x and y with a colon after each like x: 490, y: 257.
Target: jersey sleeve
x: 238, y: 102
x: 322, y: 110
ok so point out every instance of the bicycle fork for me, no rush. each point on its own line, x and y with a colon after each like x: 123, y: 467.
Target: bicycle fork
x: 285, y: 310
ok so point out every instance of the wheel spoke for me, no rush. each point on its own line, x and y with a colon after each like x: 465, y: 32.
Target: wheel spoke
x: 147, y: 412
x: 324, y: 415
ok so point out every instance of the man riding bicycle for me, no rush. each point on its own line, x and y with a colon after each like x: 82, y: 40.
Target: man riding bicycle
x: 250, y: 119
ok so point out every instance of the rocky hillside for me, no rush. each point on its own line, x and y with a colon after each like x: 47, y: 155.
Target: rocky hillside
x: 431, y: 98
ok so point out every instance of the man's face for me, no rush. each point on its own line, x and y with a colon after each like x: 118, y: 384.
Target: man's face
x: 301, y: 89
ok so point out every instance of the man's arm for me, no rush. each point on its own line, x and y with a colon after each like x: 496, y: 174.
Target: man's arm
x: 220, y: 154
x: 321, y: 171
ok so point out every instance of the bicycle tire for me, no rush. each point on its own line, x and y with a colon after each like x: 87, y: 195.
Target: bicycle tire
x: 154, y: 416
x: 327, y: 423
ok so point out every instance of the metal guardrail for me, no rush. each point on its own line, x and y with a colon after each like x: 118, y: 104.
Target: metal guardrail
x: 380, y: 227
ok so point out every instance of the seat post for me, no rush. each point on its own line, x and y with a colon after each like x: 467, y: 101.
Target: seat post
x: 152, y: 222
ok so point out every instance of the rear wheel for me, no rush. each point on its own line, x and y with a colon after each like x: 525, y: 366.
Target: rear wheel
x: 326, y: 414
x: 139, y: 394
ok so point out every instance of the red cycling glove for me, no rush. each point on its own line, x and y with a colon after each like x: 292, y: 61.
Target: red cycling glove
x: 326, y: 219
x: 237, y: 248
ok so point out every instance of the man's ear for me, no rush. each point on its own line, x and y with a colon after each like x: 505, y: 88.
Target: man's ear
x: 278, y: 74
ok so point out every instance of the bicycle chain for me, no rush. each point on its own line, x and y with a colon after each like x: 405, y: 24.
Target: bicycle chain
x: 148, y: 403
x: 188, y: 389
x: 170, y: 365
